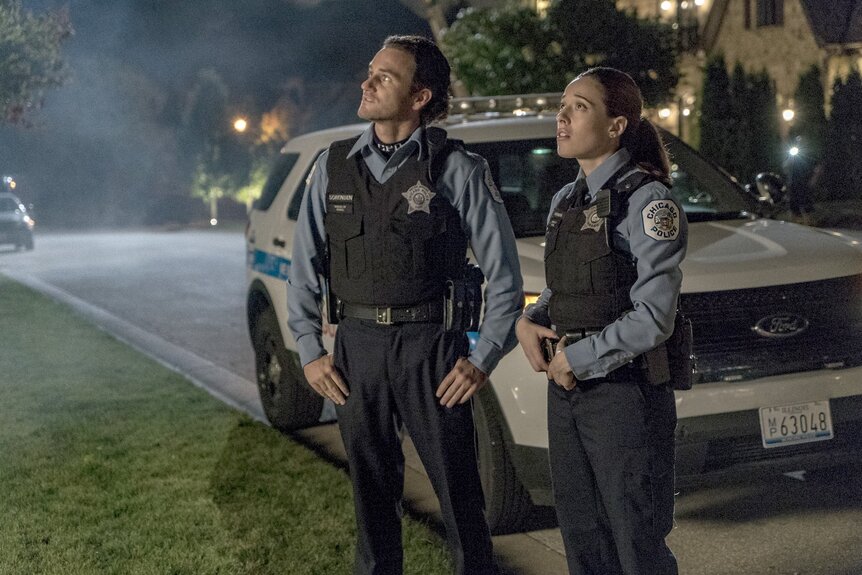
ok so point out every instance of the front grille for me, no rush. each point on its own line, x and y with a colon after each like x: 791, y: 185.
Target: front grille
x: 728, y: 348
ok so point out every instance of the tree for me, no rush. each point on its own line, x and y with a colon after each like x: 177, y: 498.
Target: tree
x: 810, y: 121
x: 30, y: 59
x: 602, y: 35
x: 739, y: 120
x: 511, y: 49
x: 716, y: 114
x: 222, y: 159
x: 762, y: 127
x: 506, y: 50
x: 844, y: 140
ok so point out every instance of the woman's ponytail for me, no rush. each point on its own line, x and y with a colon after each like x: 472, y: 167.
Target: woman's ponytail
x: 647, y: 149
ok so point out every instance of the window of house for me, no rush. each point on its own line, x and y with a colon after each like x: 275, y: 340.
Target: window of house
x: 770, y: 13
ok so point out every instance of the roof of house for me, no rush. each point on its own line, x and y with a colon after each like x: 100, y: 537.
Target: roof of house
x: 835, y: 21
x: 832, y: 21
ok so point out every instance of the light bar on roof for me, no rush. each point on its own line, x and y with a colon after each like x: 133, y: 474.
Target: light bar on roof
x: 479, y: 107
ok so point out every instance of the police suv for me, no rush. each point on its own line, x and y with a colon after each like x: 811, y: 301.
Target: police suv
x: 776, y: 310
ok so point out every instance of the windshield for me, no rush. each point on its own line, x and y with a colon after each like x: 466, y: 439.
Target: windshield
x: 529, y: 173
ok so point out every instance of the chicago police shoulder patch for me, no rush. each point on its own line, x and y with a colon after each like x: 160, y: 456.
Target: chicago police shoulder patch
x: 492, y: 187
x: 661, y: 220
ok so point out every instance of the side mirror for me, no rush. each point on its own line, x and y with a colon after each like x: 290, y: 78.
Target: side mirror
x: 771, y: 189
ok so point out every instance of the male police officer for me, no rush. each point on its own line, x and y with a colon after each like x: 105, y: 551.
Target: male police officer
x: 386, y: 221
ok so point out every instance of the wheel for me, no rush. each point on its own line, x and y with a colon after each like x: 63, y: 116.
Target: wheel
x: 507, y: 503
x: 288, y: 401
x: 28, y: 242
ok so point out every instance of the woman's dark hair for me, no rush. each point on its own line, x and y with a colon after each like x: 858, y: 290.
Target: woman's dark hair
x: 432, y: 72
x: 642, y: 140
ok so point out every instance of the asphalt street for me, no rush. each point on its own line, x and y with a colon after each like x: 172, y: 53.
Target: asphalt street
x: 179, y: 297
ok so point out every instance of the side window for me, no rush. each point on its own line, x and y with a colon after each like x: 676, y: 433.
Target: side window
x: 770, y: 13
x: 296, y: 200
x: 528, y: 174
x: 283, y: 165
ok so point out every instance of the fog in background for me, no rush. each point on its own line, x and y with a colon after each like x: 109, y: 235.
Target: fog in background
x: 105, y: 149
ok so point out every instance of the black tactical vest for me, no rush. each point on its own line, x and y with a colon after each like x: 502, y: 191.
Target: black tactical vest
x: 589, y: 279
x: 392, y: 244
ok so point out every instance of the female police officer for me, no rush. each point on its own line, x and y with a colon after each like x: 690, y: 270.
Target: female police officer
x: 615, y: 240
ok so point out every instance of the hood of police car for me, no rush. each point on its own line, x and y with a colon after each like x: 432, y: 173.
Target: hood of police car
x: 741, y: 254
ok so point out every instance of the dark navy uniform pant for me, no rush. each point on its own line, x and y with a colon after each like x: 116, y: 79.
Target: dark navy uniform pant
x: 611, y: 447
x: 392, y: 373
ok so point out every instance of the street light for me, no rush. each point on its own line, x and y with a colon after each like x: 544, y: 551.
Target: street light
x: 240, y: 124
x: 788, y: 114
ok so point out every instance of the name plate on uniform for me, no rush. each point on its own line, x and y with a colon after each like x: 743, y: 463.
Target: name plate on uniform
x: 794, y: 424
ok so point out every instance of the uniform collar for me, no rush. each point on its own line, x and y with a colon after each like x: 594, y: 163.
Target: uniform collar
x: 606, y: 170
x: 365, y: 144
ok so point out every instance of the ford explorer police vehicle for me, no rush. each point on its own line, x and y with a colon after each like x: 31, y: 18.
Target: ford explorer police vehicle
x: 776, y: 310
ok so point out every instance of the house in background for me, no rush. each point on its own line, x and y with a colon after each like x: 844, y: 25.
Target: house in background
x: 787, y: 37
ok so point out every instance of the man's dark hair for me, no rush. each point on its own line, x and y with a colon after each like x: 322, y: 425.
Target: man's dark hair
x: 432, y: 72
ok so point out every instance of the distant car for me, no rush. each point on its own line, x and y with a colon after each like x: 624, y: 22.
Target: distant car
x: 776, y: 310
x: 16, y: 225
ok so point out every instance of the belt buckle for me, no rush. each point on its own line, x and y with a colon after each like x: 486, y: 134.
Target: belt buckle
x: 384, y: 315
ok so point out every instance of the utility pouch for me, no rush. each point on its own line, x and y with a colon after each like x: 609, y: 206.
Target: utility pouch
x: 464, y: 300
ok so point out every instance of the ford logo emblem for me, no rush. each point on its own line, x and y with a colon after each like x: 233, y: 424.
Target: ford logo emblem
x: 781, y: 325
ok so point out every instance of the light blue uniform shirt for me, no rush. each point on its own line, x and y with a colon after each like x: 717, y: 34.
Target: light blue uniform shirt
x: 654, y: 293
x: 484, y: 220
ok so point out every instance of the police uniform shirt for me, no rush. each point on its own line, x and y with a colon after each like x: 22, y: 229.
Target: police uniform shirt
x: 658, y: 252
x: 466, y: 182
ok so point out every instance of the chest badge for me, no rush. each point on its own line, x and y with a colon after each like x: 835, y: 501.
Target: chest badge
x: 418, y: 198
x: 592, y: 219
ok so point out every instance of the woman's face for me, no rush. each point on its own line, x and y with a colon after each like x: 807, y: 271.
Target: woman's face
x: 584, y: 130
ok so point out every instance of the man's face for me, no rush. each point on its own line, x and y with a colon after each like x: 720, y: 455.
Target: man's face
x: 386, y: 93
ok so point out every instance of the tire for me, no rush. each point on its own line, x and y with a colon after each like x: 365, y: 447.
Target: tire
x: 288, y: 401
x: 507, y: 504
x: 28, y: 242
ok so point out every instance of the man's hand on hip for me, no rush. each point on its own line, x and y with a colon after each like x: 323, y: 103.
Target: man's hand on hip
x: 461, y: 383
x: 325, y: 379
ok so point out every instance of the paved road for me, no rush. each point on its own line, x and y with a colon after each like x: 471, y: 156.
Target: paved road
x: 180, y: 296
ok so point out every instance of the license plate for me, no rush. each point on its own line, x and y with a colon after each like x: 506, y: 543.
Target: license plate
x: 794, y: 424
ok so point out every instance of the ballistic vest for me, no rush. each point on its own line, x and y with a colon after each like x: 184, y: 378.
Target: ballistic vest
x: 590, y: 280
x: 391, y: 244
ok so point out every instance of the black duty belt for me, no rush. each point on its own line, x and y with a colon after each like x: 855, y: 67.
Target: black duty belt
x: 578, y: 334
x: 429, y: 312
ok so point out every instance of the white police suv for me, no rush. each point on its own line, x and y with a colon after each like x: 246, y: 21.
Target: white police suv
x: 776, y: 311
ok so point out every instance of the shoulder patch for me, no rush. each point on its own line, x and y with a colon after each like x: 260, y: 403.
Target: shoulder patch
x: 489, y: 182
x: 661, y: 220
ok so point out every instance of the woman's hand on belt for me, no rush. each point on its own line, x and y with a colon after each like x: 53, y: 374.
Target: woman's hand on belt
x: 530, y: 336
x: 559, y: 370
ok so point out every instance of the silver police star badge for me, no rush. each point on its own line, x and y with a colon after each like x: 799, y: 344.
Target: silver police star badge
x: 593, y: 221
x: 418, y: 198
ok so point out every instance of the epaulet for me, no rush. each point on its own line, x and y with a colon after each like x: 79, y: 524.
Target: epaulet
x: 439, y: 148
x: 613, y: 201
x: 634, y: 181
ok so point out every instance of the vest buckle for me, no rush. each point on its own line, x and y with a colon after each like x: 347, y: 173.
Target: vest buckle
x: 384, y: 316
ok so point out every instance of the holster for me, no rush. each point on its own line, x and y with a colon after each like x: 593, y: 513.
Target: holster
x: 464, y: 300
x: 331, y: 304
x: 673, y: 361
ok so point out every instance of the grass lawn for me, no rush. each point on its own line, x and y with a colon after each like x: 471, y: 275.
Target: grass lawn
x: 112, y: 464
